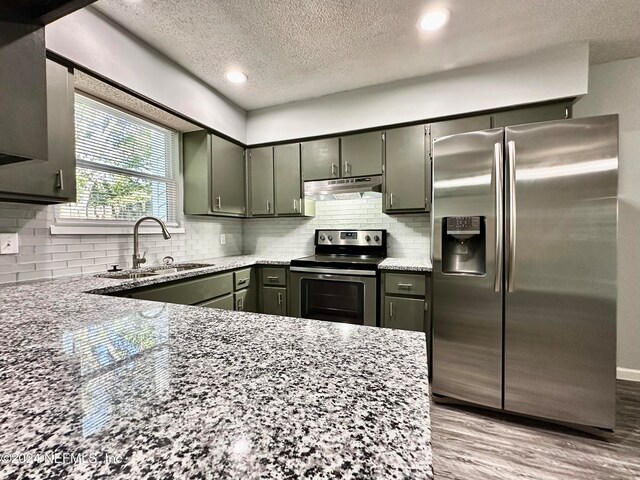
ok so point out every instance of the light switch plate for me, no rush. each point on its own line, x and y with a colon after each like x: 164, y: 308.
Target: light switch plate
x: 8, y: 243
x: 223, y: 239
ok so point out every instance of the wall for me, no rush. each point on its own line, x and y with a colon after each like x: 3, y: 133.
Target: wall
x: 409, y: 235
x: 43, y: 255
x: 546, y: 75
x: 90, y: 39
x: 615, y: 88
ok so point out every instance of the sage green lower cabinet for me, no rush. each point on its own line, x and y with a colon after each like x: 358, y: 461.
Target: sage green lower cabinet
x: 405, y: 297
x: 224, y: 303
x: 234, y: 290
x: 274, y: 300
x: 214, y: 176
x: 53, y: 180
x: 407, y: 177
x: 541, y: 113
x: 404, y: 313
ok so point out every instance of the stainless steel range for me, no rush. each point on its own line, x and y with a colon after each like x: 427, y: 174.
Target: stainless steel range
x: 340, y: 282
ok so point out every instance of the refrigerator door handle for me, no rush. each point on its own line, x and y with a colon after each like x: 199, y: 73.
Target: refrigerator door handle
x: 499, y: 202
x: 511, y: 153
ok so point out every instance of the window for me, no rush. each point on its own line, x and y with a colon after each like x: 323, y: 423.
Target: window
x: 126, y: 167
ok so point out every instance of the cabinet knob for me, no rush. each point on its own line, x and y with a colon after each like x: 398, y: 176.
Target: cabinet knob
x: 330, y: 238
x: 376, y: 238
x: 367, y: 238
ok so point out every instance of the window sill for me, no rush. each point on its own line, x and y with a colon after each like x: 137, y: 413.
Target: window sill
x: 110, y: 229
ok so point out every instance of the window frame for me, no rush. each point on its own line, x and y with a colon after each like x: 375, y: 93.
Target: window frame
x: 70, y: 226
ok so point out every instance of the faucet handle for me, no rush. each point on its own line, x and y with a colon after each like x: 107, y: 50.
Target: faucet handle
x: 143, y: 258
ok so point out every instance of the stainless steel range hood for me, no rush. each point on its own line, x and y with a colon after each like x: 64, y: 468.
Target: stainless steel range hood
x: 344, y: 188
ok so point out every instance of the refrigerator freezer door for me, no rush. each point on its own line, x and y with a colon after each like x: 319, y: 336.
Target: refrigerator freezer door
x: 560, y: 318
x: 467, y: 308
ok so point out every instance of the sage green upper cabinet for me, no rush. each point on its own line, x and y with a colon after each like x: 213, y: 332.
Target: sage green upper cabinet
x: 261, y: 180
x: 406, y: 176
x: 53, y: 180
x: 460, y: 125
x: 288, y: 179
x: 320, y: 159
x: 214, y: 176
x: 361, y: 154
x: 542, y: 113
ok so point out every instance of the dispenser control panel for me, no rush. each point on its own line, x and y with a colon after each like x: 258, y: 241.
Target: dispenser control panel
x: 463, y: 225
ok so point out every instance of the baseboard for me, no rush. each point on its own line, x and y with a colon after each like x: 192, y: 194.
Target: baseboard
x: 628, y: 374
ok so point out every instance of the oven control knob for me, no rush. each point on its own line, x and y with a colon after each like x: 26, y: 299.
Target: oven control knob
x: 330, y: 238
x: 367, y: 238
x: 376, y: 238
x: 322, y: 238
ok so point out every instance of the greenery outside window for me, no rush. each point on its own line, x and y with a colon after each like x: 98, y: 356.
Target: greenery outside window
x: 126, y: 167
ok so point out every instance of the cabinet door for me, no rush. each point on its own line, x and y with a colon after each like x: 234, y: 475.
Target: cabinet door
x: 543, y: 113
x: 53, y: 180
x: 461, y: 125
x: 361, y: 154
x: 288, y: 179
x: 261, y: 171
x: 228, y: 192
x: 404, y: 313
x: 320, y: 159
x: 274, y: 301
x: 224, y: 303
x: 407, y: 179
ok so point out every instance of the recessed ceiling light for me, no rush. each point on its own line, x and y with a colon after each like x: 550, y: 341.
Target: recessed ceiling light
x: 236, y: 76
x: 434, y: 19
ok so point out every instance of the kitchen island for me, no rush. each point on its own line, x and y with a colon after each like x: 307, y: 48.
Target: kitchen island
x: 99, y: 386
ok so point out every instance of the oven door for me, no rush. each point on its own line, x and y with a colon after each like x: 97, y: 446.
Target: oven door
x: 336, y: 295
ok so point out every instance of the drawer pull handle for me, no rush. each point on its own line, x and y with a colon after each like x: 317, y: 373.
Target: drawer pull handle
x: 243, y: 281
x: 271, y: 278
x: 240, y: 304
x: 390, y: 309
x: 279, y: 299
x: 408, y: 286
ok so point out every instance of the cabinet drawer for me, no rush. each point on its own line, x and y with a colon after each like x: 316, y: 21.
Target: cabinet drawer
x: 241, y: 279
x: 405, y: 284
x: 225, y: 303
x: 274, y: 276
x: 404, y: 313
x: 192, y: 291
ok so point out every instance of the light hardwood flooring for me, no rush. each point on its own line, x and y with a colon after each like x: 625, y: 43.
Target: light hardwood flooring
x: 475, y: 444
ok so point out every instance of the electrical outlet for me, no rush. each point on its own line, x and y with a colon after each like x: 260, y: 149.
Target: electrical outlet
x: 223, y: 239
x: 8, y: 243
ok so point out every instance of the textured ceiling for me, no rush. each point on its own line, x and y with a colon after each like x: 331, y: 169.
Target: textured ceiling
x: 297, y: 49
x: 93, y: 86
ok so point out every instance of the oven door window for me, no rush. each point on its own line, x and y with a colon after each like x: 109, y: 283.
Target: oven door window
x: 332, y: 300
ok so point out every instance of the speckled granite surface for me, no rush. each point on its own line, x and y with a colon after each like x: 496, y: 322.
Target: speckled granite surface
x: 409, y: 264
x: 104, y: 387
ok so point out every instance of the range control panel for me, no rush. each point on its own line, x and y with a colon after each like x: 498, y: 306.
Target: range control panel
x: 351, y: 237
x: 463, y: 225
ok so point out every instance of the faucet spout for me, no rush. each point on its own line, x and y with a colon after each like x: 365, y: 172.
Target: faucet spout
x: 137, y: 259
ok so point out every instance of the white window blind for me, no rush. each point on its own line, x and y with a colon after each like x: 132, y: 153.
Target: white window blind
x: 126, y: 166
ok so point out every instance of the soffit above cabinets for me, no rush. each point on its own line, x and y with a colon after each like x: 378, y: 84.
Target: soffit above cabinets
x: 293, y: 50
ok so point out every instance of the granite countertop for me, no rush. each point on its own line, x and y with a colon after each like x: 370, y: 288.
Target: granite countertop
x: 99, y: 386
x: 416, y: 264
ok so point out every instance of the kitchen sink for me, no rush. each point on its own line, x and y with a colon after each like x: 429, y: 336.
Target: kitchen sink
x: 153, y: 271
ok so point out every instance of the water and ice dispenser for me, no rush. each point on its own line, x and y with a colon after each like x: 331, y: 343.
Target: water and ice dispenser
x: 463, y: 245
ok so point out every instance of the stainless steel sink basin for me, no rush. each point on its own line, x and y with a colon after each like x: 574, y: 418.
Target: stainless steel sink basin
x: 152, y: 272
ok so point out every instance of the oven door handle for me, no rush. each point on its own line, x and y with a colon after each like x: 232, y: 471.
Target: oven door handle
x: 334, y: 271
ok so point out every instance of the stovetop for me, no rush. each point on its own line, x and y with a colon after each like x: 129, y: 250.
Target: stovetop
x: 368, y: 262
x: 362, y: 249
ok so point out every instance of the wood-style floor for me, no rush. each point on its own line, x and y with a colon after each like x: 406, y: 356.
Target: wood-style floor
x: 475, y: 444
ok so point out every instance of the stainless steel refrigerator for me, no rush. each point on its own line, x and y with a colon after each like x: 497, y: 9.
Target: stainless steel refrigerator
x: 524, y: 226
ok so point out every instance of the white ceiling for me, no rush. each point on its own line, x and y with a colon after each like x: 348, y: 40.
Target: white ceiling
x: 297, y: 49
